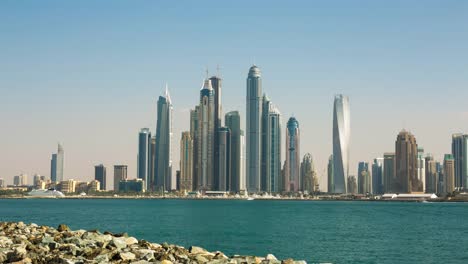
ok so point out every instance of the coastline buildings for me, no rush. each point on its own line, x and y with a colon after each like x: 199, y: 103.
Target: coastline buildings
x: 449, y: 174
x: 292, y: 177
x: 431, y: 175
x: 144, y: 156
x: 2, y: 183
x: 56, y: 165
x: 271, y: 148
x: 186, y: 162
x: 308, y: 174
x: 406, y: 159
x: 162, y: 159
x: 253, y: 129
x: 341, y: 135
x: 352, y: 184
x: 205, y: 138
x: 194, y: 130
x: 232, y: 121
x: 135, y: 185
x: 378, y: 176
x: 216, y: 84
x: 460, y: 156
x: 100, y: 176
x: 421, y: 168
x: 120, y: 174
x: 331, y: 184
x: 389, y: 172
x: 20, y: 180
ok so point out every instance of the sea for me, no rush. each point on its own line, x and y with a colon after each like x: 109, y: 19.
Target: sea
x: 315, y: 231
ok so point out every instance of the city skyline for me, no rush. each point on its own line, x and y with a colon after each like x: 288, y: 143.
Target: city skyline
x: 302, y: 77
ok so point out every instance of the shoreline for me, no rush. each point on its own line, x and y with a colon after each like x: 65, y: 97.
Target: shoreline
x: 31, y: 243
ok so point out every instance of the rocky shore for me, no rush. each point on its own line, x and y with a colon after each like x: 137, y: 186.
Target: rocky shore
x: 22, y: 243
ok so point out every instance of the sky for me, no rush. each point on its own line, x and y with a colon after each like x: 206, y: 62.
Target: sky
x: 88, y: 74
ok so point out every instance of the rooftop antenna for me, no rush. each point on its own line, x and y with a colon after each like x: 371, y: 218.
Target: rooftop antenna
x: 207, y: 73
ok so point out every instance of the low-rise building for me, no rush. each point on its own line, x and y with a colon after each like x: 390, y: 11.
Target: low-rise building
x: 135, y: 185
x: 68, y: 186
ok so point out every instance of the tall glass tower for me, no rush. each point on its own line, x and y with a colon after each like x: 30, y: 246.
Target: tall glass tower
x: 460, y: 155
x: 254, y: 129
x: 232, y: 121
x: 331, y: 184
x: 162, y: 160
x: 186, y: 162
x: 272, y: 150
x: 293, y: 159
x: 205, y: 141
x: 144, y: 156
x: 56, y: 165
x: 341, y: 134
x: 377, y: 176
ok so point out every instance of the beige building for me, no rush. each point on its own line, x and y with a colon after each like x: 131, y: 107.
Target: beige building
x: 406, y: 161
x: 68, y: 186
x: 186, y: 162
x: 449, y: 174
x: 120, y: 174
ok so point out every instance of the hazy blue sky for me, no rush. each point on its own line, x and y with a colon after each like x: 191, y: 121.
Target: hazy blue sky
x: 88, y: 73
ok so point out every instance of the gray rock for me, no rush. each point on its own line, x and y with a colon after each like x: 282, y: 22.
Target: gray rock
x: 101, y: 258
x: 270, y: 257
x: 197, y: 250
x: 131, y: 241
x: 127, y: 256
x: 63, y: 227
x: 118, y: 242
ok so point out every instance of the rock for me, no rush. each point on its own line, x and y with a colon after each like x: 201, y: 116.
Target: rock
x: 300, y: 262
x: 166, y: 262
x: 146, y: 254
x: 131, y: 241
x: 270, y: 257
x: 63, y: 227
x: 101, y: 258
x: 201, y: 259
x: 118, y: 242
x: 197, y: 250
x: 127, y: 256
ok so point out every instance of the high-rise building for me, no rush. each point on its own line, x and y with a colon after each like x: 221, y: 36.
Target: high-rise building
x: 242, y: 170
x: 378, y: 176
x: 186, y: 162
x: 100, y: 176
x: 194, y: 129
x: 144, y: 157
x: 205, y: 140
x: 293, y: 181
x: 449, y: 173
x: 364, y: 178
x: 56, y: 165
x: 162, y: 159
x: 20, y: 180
x: 421, y: 168
x: 216, y: 84
x: 134, y: 185
x: 406, y: 162
x: 151, y: 180
x: 440, y: 178
x: 460, y: 156
x: 266, y: 103
x: 254, y: 129
x: 389, y: 172
x: 308, y: 174
x: 224, y: 159
x: 120, y: 174
x: 232, y: 121
x: 341, y: 135
x: 331, y: 178
x: 352, y: 184
x: 36, y: 179
x: 2, y: 183
x: 271, y: 149
x: 431, y: 175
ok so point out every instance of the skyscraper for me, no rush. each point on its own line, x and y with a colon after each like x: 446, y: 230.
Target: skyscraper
x: 264, y: 153
x: 216, y: 84
x: 331, y: 178
x: 352, y: 184
x: 364, y: 178
x: 449, y: 173
x: 152, y: 161
x: 194, y: 130
x: 206, y: 131
x: 144, y: 157
x: 389, y: 172
x: 406, y: 159
x: 271, y: 150
x: 341, y: 135
x: 378, y: 176
x: 242, y: 170
x: 431, y: 174
x: 163, y: 161
x: 232, y: 121
x: 186, y: 162
x: 224, y: 159
x: 308, y: 174
x: 293, y: 181
x: 421, y: 168
x: 120, y: 174
x: 20, y: 180
x: 100, y: 175
x: 254, y: 129
x: 460, y: 156
x: 56, y: 165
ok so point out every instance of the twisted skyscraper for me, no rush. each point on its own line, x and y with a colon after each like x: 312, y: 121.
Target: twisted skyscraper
x: 341, y: 133
x: 254, y: 129
x: 163, y: 161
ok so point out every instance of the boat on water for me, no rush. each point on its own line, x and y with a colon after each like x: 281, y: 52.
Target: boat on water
x: 250, y: 199
x: 45, y: 193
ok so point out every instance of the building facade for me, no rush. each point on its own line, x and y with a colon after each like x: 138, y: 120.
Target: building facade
x: 163, y: 151
x: 232, y: 121
x: 224, y: 159
x: 331, y: 178
x: 56, y: 164
x: 378, y: 176
x: 431, y: 175
x: 100, y: 175
x: 253, y: 129
x: 460, y: 156
x: 364, y: 178
x: 144, y: 157
x: 216, y: 84
x: 341, y: 135
x: 389, y: 172
x: 308, y: 174
x: 194, y: 129
x: 449, y: 174
x: 186, y: 162
x: 293, y: 178
x: 271, y: 153
x: 120, y: 174
x: 206, y: 132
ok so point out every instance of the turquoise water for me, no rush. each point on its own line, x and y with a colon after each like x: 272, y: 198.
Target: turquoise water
x: 337, y: 232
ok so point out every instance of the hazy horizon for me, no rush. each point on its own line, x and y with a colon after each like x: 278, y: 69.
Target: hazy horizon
x: 88, y: 74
